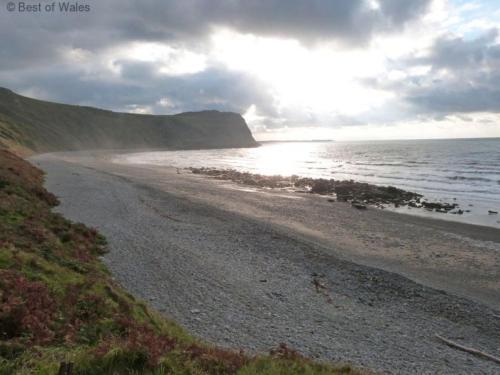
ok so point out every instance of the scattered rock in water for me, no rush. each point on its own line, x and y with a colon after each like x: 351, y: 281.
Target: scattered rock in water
x: 440, y: 207
x: 359, y: 206
x: 359, y: 194
x: 321, y: 186
x: 415, y: 204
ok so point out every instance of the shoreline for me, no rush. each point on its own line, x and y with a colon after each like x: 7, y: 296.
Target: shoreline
x: 451, y: 186
x: 239, y: 268
x: 359, y: 238
x: 359, y: 194
x: 444, y: 222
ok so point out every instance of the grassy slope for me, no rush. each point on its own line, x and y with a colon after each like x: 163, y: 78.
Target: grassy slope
x: 59, y: 303
x: 29, y: 125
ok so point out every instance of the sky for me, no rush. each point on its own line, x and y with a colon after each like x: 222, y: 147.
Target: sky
x: 295, y: 69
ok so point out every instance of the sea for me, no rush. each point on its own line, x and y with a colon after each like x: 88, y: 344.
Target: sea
x: 463, y: 171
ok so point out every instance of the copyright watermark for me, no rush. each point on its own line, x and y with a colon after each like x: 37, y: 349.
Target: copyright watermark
x: 51, y: 7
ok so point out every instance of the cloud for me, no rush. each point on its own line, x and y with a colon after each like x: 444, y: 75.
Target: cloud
x: 161, y: 57
x: 351, y: 21
x: 465, y: 76
x: 456, y: 98
x: 36, y: 38
x: 139, y: 85
x: 455, y: 75
x: 76, y: 57
x: 459, y: 54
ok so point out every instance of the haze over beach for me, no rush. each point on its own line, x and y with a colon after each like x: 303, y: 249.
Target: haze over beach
x: 250, y: 187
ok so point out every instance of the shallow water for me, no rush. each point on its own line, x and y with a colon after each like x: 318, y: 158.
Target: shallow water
x: 466, y: 171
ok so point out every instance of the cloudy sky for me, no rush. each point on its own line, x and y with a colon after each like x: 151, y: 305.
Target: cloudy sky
x: 296, y: 69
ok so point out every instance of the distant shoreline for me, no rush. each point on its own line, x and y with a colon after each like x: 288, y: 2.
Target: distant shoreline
x: 299, y: 141
x: 380, y: 140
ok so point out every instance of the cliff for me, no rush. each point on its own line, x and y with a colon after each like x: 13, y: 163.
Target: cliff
x: 30, y: 125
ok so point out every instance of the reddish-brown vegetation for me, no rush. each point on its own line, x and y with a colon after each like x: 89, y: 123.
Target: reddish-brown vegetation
x: 27, y: 311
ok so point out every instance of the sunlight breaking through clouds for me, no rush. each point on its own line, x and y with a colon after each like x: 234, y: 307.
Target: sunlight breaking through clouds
x: 372, y: 64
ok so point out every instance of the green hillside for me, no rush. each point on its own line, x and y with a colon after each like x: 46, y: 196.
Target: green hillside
x: 29, y: 125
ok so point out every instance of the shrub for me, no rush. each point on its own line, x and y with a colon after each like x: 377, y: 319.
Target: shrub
x: 26, y: 310
x: 216, y: 361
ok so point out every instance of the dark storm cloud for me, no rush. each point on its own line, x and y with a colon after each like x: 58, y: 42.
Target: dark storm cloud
x: 37, y: 37
x: 352, y: 21
x: 397, y: 12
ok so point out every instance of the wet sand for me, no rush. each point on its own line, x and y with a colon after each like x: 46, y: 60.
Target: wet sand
x: 252, y: 268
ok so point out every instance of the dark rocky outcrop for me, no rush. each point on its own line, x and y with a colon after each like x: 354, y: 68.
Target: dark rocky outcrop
x: 359, y: 194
